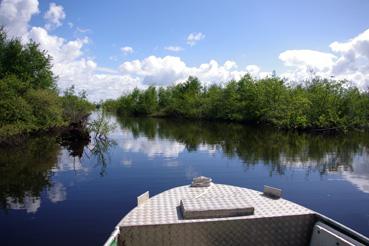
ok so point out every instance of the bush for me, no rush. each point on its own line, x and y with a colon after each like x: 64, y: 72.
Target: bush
x: 75, y: 107
x: 46, y: 108
x: 28, y: 96
x: 318, y: 104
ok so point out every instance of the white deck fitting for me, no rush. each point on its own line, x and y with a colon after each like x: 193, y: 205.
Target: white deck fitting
x: 164, y: 207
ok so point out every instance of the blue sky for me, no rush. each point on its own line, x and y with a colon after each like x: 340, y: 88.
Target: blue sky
x: 249, y: 32
x: 244, y: 32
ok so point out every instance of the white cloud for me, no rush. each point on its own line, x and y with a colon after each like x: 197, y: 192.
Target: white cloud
x: 310, y: 58
x: 230, y: 65
x: 127, y: 50
x: 347, y: 60
x: 54, y: 16
x: 194, y: 37
x: 61, y: 50
x: 167, y: 70
x: 173, y: 48
x: 15, y: 15
x: 156, y: 70
x: 69, y: 62
x: 106, y: 70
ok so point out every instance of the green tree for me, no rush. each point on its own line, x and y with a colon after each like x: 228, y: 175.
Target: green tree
x: 28, y: 95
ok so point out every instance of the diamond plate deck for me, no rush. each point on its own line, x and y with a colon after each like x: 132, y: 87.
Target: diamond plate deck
x: 159, y: 220
x: 164, y: 207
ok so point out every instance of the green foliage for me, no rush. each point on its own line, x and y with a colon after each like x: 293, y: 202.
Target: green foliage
x: 318, y: 104
x: 46, y: 108
x: 101, y: 126
x: 75, y: 107
x: 28, y: 96
x: 27, y: 62
x: 110, y: 105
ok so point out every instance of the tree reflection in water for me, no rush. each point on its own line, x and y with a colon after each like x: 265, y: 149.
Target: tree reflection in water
x: 276, y: 148
x: 27, y: 170
x: 100, y: 127
x: 100, y: 150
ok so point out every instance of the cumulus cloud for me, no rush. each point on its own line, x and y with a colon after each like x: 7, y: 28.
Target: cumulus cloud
x: 54, y: 16
x: 311, y: 58
x: 15, y: 15
x: 127, y: 50
x: 167, y: 70
x: 73, y: 68
x: 156, y: 70
x: 347, y: 60
x: 61, y: 50
x: 173, y: 48
x: 69, y: 62
x: 194, y: 37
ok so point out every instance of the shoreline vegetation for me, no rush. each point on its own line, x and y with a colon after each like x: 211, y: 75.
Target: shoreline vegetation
x: 316, y: 105
x: 30, y: 103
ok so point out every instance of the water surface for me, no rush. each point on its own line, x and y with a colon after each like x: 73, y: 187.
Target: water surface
x: 76, y: 193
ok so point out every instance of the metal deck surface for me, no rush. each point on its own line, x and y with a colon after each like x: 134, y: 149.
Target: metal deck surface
x: 164, y: 207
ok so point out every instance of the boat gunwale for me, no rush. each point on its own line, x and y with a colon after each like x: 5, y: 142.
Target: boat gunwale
x: 319, y: 217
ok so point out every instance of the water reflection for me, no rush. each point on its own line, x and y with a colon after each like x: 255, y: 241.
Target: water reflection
x: 99, y: 150
x: 26, y: 171
x: 252, y: 145
x: 279, y: 150
x: 151, y: 147
x: 358, y: 175
x: 29, y: 203
x: 66, y: 180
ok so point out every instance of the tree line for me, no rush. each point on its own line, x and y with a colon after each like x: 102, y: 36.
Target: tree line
x: 316, y: 104
x: 29, y: 98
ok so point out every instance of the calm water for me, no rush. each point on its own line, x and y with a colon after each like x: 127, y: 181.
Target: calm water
x: 50, y: 194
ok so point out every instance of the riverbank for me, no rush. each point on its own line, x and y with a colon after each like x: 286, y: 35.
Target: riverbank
x: 318, y: 104
x: 30, y: 102
x: 71, y: 131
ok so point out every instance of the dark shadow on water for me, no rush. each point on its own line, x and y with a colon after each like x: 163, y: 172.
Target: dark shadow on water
x: 26, y: 170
